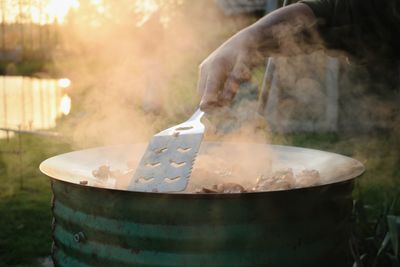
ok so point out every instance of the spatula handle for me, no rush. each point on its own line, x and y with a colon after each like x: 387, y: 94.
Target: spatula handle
x: 197, y: 115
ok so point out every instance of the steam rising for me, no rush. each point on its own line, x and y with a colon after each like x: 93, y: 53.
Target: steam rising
x: 135, y: 75
x: 131, y: 81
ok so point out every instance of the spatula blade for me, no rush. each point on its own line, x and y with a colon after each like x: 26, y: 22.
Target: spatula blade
x: 168, y: 160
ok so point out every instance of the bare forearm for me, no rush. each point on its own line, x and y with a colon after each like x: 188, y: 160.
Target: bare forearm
x: 287, y: 31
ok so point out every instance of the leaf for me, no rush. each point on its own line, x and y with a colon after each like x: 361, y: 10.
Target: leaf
x: 358, y: 262
x: 394, y: 202
x: 393, y: 225
x: 384, y: 244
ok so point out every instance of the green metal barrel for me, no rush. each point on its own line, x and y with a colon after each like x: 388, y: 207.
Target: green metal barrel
x: 105, y: 227
x: 112, y: 227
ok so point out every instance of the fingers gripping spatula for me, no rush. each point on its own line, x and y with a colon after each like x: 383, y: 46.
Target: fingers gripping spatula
x: 168, y: 160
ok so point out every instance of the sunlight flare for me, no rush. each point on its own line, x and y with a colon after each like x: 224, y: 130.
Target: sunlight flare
x: 64, y: 82
x: 65, y: 105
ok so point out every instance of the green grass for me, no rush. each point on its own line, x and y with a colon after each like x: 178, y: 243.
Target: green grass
x: 25, y: 197
x: 26, y: 67
x: 379, y: 152
x: 377, y: 191
x: 25, y: 213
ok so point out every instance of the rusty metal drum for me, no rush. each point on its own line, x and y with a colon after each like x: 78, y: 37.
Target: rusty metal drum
x: 96, y: 226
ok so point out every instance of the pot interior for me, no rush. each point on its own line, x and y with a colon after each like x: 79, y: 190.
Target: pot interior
x: 250, y: 159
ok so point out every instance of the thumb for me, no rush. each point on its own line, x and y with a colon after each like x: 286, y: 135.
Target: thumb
x: 213, y: 87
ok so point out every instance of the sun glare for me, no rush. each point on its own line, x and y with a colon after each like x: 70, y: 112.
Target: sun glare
x: 64, y: 82
x: 51, y: 11
x: 146, y: 9
x: 58, y: 9
x: 42, y: 12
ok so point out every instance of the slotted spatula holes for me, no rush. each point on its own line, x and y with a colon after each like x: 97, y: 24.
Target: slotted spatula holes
x: 171, y: 179
x: 161, y: 150
x: 169, y: 157
x: 184, y: 149
x: 177, y: 164
x: 153, y: 164
x: 144, y: 180
x: 184, y: 128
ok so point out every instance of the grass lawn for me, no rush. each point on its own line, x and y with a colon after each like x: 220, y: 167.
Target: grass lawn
x: 25, y: 207
x: 26, y: 217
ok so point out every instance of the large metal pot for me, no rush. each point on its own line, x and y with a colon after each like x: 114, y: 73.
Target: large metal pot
x: 111, y: 227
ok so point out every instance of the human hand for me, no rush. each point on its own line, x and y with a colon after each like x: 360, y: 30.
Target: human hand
x: 287, y: 31
x: 222, y: 72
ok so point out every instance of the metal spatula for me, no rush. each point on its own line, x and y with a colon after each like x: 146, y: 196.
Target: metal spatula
x: 168, y: 160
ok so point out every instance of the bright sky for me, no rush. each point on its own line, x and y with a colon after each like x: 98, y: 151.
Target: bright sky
x: 51, y: 10
x: 58, y: 9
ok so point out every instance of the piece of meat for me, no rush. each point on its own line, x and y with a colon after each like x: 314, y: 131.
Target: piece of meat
x: 279, y: 180
x: 205, y: 190
x: 230, y: 188
x: 307, y: 178
x: 103, y: 172
x: 210, y: 177
x: 223, y: 188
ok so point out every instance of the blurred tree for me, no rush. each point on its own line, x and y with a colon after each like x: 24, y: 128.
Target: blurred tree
x: 3, y: 25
